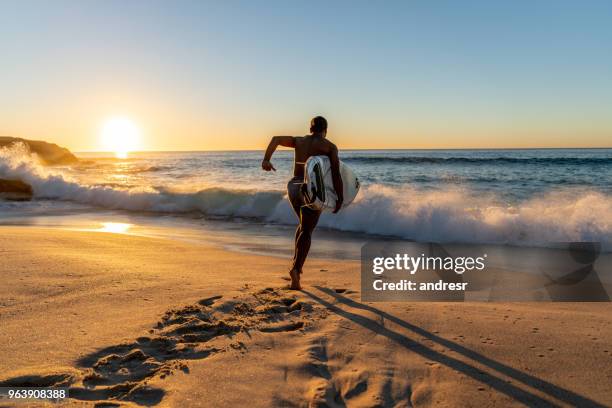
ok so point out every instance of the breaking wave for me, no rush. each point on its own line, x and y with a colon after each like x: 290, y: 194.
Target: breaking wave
x: 451, y: 215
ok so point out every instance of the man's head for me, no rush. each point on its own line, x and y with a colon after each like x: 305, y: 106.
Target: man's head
x: 318, y: 124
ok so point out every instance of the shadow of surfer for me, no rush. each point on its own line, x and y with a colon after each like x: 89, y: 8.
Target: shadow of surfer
x: 524, y: 388
x: 314, y: 144
x: 572, y: 276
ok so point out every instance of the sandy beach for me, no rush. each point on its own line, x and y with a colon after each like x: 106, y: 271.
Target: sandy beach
x: 300, y: 204
x: 133, y: 321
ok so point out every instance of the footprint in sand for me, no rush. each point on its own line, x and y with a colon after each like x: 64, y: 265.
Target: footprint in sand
x: 122, y: 372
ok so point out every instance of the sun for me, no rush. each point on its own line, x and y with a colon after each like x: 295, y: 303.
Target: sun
x: 120, y: 135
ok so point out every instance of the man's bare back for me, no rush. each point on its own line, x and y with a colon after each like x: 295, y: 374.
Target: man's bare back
x: 307, y: 146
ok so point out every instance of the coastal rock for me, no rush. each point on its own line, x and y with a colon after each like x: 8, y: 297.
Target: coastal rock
x: 15, y: 190
x: 48, y: 153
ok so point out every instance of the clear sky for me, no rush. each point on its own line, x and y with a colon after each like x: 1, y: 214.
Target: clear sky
x: 227, y: 74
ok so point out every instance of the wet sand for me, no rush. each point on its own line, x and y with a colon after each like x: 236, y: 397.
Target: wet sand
x: 134, y: 321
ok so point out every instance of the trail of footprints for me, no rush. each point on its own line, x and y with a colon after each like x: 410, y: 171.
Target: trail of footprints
x: 122, y: 372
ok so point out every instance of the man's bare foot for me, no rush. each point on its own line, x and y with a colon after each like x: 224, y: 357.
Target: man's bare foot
x: 295, y: 280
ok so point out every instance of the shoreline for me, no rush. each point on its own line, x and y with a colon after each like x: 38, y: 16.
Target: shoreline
x: 70, y: 303
x: 242, y: 235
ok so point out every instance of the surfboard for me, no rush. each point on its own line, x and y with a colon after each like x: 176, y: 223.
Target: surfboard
x: 318, y: 185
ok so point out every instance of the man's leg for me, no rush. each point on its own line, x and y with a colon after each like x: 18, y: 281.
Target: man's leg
x: 298, y: 231
x: 293, y: 194
x: 308, y: 221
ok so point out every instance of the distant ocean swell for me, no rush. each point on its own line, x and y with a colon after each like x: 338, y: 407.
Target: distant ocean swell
x: 450, y: 215
x: 561, y: 161
x: 106, y: 164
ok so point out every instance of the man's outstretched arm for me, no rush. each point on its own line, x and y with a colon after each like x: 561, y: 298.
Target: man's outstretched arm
x: 336, y: 178
x: 287, y: 141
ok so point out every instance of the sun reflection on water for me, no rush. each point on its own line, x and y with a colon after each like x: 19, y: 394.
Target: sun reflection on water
x: 115, y: 227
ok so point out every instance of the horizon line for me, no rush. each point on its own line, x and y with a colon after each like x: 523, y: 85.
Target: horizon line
x: 356, y: 149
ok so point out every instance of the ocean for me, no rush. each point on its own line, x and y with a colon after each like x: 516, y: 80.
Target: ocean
x: 530, y: 197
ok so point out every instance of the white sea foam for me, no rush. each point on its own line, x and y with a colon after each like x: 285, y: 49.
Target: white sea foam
x: 451, y: 215
x: 17, y: 163
x: 458, y: 216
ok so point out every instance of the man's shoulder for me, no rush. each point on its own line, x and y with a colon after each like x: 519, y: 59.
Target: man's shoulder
x: 331, y: 145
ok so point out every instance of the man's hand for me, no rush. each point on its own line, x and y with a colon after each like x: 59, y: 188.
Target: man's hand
x: 338, y: 205
x: 267, y: 166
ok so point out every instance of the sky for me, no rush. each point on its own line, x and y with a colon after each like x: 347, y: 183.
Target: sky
x: 227, y: 75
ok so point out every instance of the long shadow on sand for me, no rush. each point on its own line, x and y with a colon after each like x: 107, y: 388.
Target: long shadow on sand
x: 524, y: 396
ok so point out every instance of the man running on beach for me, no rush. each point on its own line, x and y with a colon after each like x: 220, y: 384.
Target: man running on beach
x: 314, y: 144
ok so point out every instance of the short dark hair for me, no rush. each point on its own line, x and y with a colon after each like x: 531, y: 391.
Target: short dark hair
x: 318, y: 124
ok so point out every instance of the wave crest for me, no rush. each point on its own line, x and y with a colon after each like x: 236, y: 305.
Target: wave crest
x: 458, y: 216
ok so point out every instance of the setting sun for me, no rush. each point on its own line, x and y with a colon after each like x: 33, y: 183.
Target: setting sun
x: 121, y: 136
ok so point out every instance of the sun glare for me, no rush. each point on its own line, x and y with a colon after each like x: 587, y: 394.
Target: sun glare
x: 120, y: 135
x: 115, y: 227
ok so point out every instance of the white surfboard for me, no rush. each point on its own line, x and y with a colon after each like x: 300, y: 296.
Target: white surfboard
x: 319, y: 187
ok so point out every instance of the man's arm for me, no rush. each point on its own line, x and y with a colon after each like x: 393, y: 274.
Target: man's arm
x: 287, y: 141
x: 337, y: 180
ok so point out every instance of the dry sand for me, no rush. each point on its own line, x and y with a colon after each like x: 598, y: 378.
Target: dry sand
x: 130, y: 321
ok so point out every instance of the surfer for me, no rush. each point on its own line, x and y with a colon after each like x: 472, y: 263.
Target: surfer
x: 314, y: 144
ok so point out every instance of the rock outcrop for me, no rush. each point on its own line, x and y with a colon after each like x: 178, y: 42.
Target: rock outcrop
x: 48, y: 153
x: 15, y: 190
